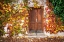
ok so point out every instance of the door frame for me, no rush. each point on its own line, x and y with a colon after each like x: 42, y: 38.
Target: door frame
x: 37, y: 18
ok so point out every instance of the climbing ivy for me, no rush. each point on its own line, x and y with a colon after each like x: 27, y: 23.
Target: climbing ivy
x: 58, y: 8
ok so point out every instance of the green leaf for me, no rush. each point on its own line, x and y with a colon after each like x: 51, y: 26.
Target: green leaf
x: 58, y: 8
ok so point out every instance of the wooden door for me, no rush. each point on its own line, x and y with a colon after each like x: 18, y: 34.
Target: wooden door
x: 35, y: 19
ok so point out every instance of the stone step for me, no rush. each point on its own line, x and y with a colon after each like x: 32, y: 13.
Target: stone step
x: 36, y: 34
x: 36, y: 31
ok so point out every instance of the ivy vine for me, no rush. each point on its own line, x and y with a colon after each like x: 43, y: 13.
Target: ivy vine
x: 58, y: 8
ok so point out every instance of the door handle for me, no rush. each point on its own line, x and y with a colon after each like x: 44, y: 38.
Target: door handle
x: 36, y: 19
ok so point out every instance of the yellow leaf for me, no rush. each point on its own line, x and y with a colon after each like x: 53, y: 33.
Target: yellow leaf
x: 23, y: 18
x: 18, y: 17
x: 20, y: 10
x: 26, y: 14
x: 3, y: 7
x: 9, y: 9
x: 13, y: 12
x: 6, y: 10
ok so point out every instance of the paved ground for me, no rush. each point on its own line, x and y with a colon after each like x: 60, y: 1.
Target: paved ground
x: 46, y: 34
x: 33, y: 37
